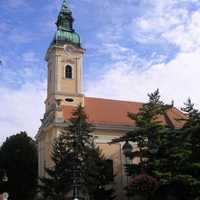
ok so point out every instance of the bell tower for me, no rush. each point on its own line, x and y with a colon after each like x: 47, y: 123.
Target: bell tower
x: 65, y: 83
x: 65, y: 63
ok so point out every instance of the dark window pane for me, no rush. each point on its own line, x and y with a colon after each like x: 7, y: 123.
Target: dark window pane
x: 109, y: 169
x: 68, y: 71
x: 69, y: 99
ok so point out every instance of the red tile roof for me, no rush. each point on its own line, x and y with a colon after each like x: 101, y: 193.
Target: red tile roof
x: 114, y: 112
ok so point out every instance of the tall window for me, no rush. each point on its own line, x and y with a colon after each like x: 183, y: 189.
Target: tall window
x: 68, y: 71
x: 110, y: 170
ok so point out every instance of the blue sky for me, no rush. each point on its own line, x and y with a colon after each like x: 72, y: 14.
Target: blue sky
x: 132, y: 48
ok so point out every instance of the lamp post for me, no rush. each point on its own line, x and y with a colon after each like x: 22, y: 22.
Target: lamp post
x: 76, y: 170
x: 127, y: 151
x: 4, y: 179
x: 76, y: 181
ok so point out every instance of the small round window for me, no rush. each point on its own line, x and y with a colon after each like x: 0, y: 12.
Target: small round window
x: 68, y: 72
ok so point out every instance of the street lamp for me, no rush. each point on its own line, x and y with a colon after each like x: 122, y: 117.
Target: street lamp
x: 127, y: 151
x: 4, y: 179
x: 77, y: 181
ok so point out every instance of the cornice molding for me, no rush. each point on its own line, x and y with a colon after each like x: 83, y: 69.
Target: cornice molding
x: 108, y: 127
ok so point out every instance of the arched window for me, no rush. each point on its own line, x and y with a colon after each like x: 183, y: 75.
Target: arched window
x: 68, y: 71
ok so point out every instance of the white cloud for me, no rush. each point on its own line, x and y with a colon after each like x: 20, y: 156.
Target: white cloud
x: 22, y: 38
x: 187, y: 36
x: 30, y: 56
x: 160, y: 17
x: 178, y: 79
x: 17, y: 3
x: 160, y: 20
x: 21, y: 109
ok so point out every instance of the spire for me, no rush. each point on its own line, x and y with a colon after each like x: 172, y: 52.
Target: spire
x: 65, y: 19
x: 65, y: 7
x: 65, y: 31
x: 65, y: 3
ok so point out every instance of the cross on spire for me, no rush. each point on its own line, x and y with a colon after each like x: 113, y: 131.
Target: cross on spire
x: 65, y: 7
x: 65, y: 3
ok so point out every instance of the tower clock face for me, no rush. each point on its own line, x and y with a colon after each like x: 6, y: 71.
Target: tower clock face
x: 69, y: 49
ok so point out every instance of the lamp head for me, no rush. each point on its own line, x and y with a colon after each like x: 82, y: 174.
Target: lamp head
x: 5, y: 177
x: 127, y: 149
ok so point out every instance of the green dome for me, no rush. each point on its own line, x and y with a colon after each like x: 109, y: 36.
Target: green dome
x: 62, y: 36
x: 65, y: 32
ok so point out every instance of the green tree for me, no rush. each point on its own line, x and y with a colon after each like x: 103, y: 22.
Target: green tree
x: 178, y: 158
x: 59, y: 180
x: 170, y: 155
x: 193, y: 115
x: 148, y: 135
x: 18, y: 158
x: 189, y: 151
x: 79, y: 166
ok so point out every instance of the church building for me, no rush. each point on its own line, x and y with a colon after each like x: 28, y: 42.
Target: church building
x: 65, y: 92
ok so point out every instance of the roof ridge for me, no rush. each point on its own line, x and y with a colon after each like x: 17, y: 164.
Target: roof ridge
x: 179, y: 111
x: 125, y: 101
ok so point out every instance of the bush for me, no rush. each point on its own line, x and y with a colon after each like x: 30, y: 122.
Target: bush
x: 143, y: 184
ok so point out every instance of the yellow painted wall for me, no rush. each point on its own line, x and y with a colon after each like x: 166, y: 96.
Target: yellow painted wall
x: 61, y: 88
x: 113, y: 152
x: 57, y: 60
